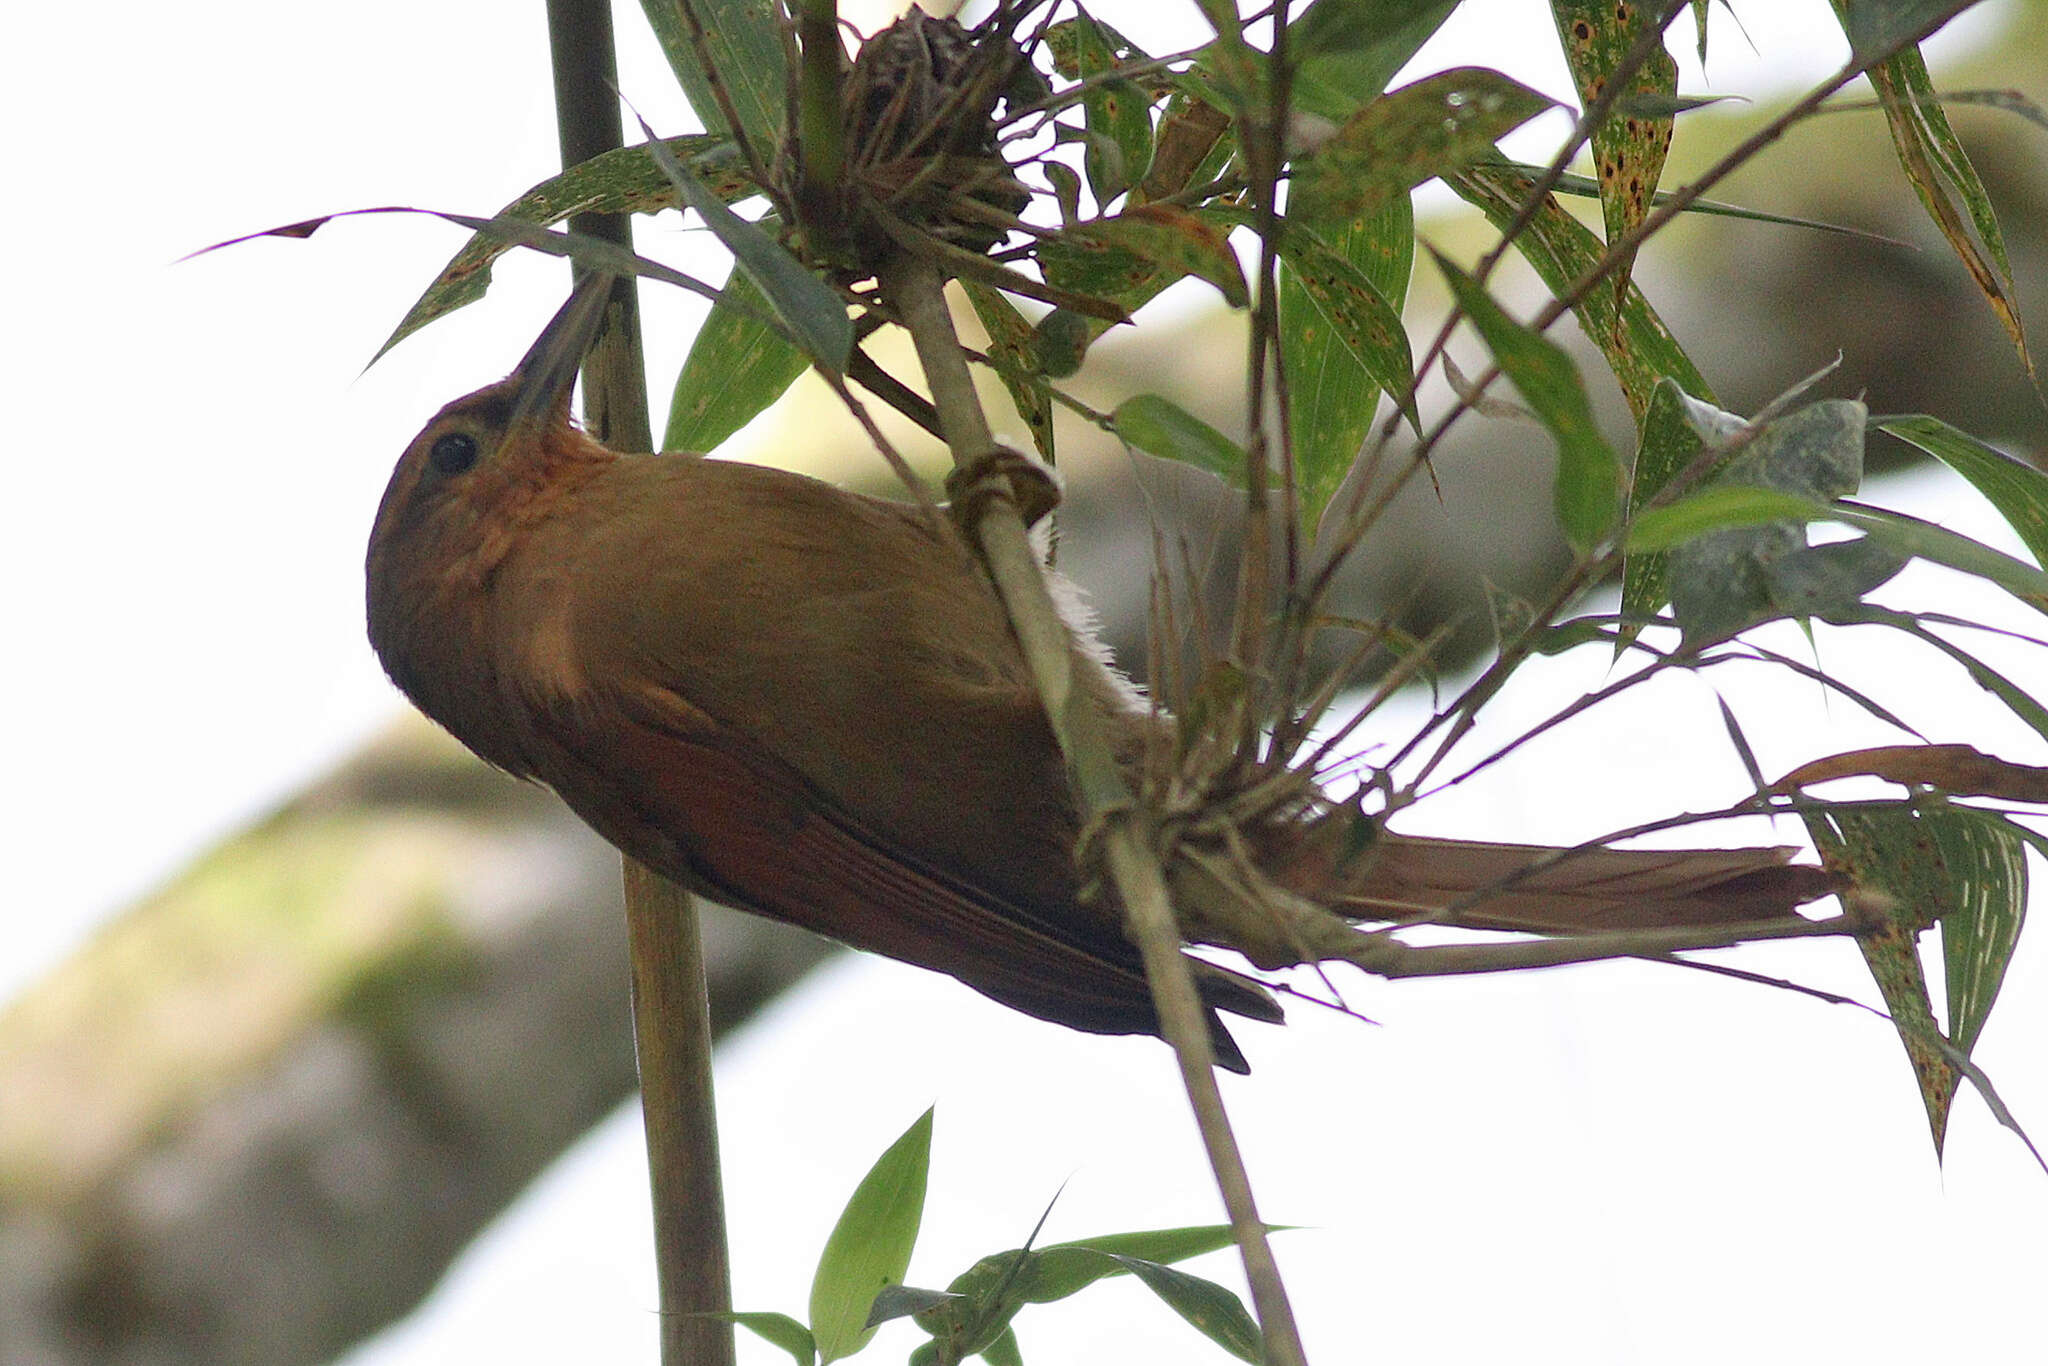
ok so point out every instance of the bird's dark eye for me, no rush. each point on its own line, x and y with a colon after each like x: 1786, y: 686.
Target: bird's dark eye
x: 453, y: 452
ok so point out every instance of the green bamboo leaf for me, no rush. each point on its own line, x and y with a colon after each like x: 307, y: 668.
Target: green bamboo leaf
x: 903, y: 1301
x: 1348, y: 291
x: 1639, y: 348
x: 981, y: 1302
x: 1928, y: 861
x: 1190, y: 144
x: 1660, y: 105
x: 1942, y: 546
x: 1881, y: 32
x: 2015, y: 488
x: 988, y: 1295
x: 1665, y: 445
x: 963, y: 264
x: 1884, y: 852
x: 1878, y: 28
x: 1066, y: 190
x: 1574, y: 184
x: 1118, y: 149
x: 1222, y: 16
x: 1433, y: 127
x: 1061, y: 1270
x: 1216, y: 1313
x: 1163, y: 428
x: 741, y: 39
x: 1817, y: 580
x: 1013, y: 354
x: 737, y: 367
x: 1065, y: 1268
x: 1341, y: 286
x: 1200, y: 82
x: 1630, y: 144
x: 1191, y: 147
x: 1097, y: 268
x: 815, y: 314
x: 1570, y: 635
x: 1174, y: 240
x: 625, y: 180
x: 1719, y: 508
x: 585, y: 249
x: 1230, y: 68
x: 1345, y: 51
x: 1003, y: 1351
x: 778, y: 1330
x: 1588, y: 486
x: 1979, y: 936
x: 1816, y: 450
x: 1737, y: 571
x: 1354, y: 291
x: 1092, y: 266
x: 871, y: 1244
x: 1729, y: 579
x: 1356, y: 273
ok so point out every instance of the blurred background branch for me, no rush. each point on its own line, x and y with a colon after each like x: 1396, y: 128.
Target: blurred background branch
x: 257, y: 1117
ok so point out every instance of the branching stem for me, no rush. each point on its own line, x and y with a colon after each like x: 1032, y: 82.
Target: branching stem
x: 915, y: 289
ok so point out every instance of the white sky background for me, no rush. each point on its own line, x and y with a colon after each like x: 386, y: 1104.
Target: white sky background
x: 1611, y: 1164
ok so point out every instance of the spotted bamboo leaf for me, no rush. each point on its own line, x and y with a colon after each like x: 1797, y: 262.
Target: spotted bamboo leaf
x: 1629, y: 145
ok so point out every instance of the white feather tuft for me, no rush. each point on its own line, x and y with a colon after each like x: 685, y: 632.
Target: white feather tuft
x: 1071, y: 601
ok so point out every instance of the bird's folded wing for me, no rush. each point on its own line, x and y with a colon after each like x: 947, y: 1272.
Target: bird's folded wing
x: 706, y: 806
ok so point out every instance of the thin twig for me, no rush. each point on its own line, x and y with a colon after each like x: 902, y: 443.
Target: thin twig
x: 1147, y: 904
x: 1385, y: 956
x: 863, y: 370
x: 671, y: 1014
x: 1068, y: 94
x: 700, y: 43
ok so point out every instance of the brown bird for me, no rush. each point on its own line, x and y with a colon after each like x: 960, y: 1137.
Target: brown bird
x: 807, y: 703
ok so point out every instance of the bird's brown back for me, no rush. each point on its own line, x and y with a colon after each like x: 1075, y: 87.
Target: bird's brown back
x: 843, y: 635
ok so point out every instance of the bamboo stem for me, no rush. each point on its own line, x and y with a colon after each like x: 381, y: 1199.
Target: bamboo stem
x: 671, y: 1014
x: 672, y: 1033
x: 916, y: 290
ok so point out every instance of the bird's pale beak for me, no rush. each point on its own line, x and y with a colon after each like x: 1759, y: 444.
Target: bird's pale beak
x: 548, y: 373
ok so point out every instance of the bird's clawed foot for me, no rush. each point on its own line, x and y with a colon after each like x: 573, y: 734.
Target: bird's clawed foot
x: 1002, y: 471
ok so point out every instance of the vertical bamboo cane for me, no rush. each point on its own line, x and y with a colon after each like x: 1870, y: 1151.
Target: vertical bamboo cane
x: 671, y: 1023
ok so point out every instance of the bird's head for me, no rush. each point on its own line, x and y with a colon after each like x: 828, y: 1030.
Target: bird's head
x: 471, y: 480
x: 485, y: 447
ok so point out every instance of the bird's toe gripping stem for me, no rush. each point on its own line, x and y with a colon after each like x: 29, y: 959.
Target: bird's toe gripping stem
x: 1003, y: 471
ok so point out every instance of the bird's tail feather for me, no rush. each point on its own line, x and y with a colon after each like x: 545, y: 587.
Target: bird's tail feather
x: 1541, y: 890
